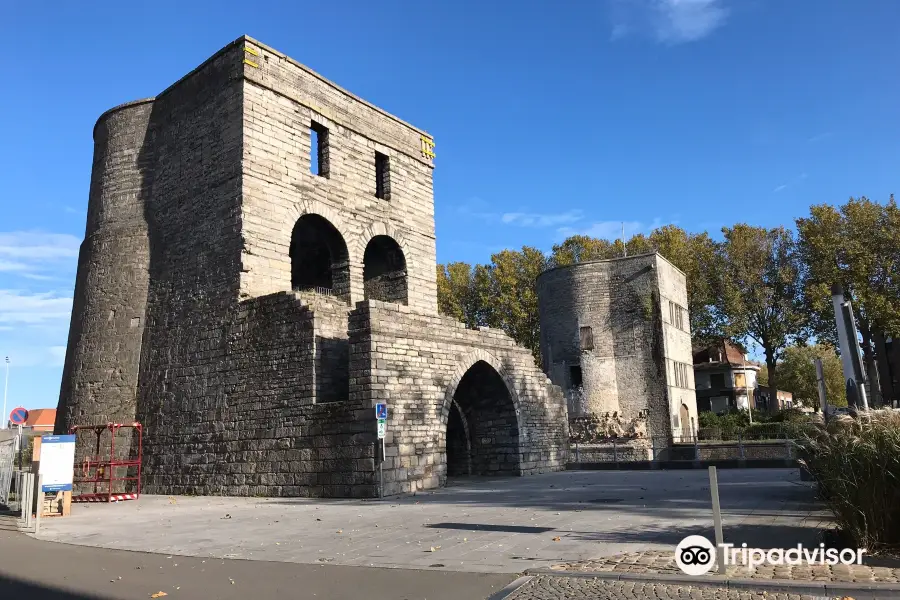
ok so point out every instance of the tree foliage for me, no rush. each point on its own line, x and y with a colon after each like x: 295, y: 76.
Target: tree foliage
x: 758, y: 283
x: 797, y: 374
x: 856, y: 245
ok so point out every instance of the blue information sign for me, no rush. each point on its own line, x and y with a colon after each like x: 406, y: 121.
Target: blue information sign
x: 381, y: 411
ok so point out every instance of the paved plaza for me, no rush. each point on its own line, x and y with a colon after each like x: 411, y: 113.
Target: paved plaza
x: 506, y: 525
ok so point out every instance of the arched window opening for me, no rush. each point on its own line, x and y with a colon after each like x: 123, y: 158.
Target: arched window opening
x: 319, y: 258
x: 384, y: 271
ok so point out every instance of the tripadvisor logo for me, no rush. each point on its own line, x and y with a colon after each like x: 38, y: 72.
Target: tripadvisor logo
x: 696, y: 555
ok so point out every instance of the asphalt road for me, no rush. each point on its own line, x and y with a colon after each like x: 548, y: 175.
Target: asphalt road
x: 32, y: 569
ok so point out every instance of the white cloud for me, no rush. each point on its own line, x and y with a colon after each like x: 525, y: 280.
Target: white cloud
x: 612, y: 230
x: 790, y: 183
x: 58, y: 354
x: 479, y: 209
x: 35, y: 245
x: 525, y: 219
x: 34, y: 254
x: 35, y: 356
x: 820, y: 137
x: 33, y: 309
x: 668, y: 21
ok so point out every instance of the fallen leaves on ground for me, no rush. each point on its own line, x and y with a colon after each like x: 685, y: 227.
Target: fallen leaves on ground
x: 556, y: 539
x: 158, y: 595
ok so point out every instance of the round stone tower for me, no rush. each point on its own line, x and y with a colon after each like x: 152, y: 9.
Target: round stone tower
x: 600, y: 335
x: 104, y: 351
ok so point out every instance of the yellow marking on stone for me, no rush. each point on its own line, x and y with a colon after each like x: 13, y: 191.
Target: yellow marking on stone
x: 251, y: 50
x: 251, y: 63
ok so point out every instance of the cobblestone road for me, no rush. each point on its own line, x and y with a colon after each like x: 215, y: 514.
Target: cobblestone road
x: 557, y: 588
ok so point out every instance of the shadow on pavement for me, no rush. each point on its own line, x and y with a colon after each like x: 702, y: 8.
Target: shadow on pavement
x: 757, y: 535
x: 15, y: 588
x: 483, y: 527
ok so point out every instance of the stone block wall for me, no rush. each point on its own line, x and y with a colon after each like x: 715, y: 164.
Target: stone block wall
x: 416, y: 361
x: 608, y: 321
x: 282, y: 100
x: 185, y: 317
x: 109, y: 308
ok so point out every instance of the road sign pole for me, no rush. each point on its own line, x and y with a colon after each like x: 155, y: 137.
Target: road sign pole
x: 381, y: 472
x: 5, y: 389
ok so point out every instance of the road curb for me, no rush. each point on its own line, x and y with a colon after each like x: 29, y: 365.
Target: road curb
x: 509, y: 589
x: 859, y: 591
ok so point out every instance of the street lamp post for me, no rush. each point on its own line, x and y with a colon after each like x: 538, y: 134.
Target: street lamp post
x: 3, y: 415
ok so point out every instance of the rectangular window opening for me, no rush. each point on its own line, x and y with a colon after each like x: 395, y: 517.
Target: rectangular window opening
x: 318, y: 155
x: 587, y: 338
x: 575, y: 376
x: 382, y: 176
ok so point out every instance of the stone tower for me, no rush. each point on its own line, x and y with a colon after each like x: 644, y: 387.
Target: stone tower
x: 258, y: 271
x: 618, y: 332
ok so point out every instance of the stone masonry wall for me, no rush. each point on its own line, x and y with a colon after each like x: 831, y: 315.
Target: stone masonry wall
x: 414, y: 361
x: 282, y: 100
x: 108, y: 313
x: 184, y: 316
x: 619, y: 300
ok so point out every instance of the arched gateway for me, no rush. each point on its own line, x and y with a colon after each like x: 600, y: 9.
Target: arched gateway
x: 482, y: 425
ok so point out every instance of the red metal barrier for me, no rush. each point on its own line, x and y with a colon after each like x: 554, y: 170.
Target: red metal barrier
x: 100, y: 470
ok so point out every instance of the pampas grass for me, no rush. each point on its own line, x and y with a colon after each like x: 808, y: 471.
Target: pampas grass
x: 856, y: 463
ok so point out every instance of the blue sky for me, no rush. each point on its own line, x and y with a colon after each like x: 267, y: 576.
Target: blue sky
x: 549, y: 118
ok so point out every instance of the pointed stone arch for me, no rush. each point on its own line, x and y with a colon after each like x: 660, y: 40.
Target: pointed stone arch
x: 485, y: 438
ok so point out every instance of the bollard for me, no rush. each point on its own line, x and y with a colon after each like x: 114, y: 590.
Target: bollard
x: 696, y: 448
x: 40, y: 504
x: 717, y: 519
x: 787, y: 447
x: 741, y: 445
x: 616, y: 451
x: 577, y: 453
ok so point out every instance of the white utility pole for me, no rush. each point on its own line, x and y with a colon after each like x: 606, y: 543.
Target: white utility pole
x: 624, y: 249
x: 3, y: 415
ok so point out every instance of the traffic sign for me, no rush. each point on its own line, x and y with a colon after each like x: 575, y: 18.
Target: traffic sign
x: 382, y: 428
x: 18, y: 416
x: 381, y: 411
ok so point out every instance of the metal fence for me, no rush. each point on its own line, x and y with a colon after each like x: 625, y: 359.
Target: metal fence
x: 766, y: 442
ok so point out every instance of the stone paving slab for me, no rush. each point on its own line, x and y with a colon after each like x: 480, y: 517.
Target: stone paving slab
x: 505, y: 525
x: 548, y: 587
x: 656, y: 562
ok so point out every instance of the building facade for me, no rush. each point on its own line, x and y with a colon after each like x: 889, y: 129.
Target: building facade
x: 615, y: 336
x: 725, y: 378
x: 258, y: 271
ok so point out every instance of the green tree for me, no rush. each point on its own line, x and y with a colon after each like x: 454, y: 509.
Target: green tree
x: 758, y: 286
x: 581, y: 248
x: 856, y: 245
x: 695, y: 255
x: 509, y: 297
x: 797, y: 374
x: 460, y: 291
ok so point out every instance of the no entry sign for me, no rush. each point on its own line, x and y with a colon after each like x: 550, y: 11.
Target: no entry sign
x: 18, y: 416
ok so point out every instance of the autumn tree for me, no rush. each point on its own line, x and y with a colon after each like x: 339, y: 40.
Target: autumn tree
x: 460, y: 289
x: 509, y: 297
x: 581, y: 248
x: 695, y: 255
x: 758, y: 285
